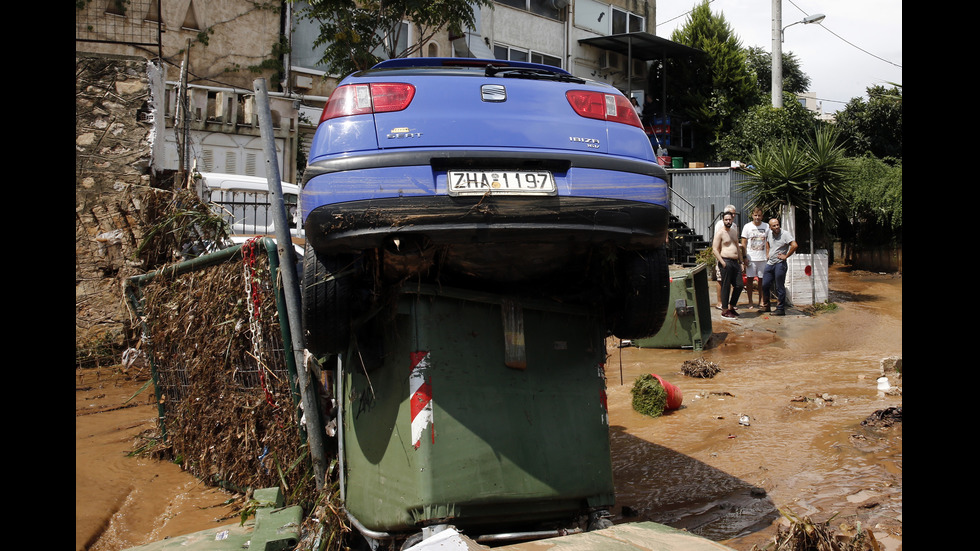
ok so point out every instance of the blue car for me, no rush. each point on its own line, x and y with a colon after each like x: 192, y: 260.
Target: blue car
x: 487, y: 174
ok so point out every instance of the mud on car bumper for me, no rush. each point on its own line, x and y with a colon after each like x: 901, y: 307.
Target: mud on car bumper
x: 442, y: 220
x: 353, y: 202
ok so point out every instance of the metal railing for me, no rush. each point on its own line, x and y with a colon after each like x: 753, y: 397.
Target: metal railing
x: 250, y: 213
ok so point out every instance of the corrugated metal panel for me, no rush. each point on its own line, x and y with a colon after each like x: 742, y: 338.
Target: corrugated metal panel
x: 700, y: 196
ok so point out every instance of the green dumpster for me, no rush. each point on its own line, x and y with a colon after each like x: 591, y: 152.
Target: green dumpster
x: 485, y: 413
x: 688, y: 322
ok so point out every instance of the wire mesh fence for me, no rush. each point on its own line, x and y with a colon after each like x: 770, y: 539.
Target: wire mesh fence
x: 223, y: 369
x: 134, y: 22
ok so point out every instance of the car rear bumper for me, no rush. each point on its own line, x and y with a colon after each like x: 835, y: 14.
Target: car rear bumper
x: 353, y: 202
x: 443, y: 220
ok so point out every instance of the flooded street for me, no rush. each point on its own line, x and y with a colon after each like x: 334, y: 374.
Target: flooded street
x: 804, y: 383
x: 122, y: 501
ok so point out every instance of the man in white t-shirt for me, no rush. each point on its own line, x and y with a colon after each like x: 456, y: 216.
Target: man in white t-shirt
x: 754, y: 236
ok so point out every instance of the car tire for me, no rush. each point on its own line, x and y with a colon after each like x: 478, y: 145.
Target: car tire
x: 639, y: 305
x: 330, y: 291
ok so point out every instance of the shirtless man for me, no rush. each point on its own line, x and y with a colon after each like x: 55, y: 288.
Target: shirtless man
x: 729, y: 255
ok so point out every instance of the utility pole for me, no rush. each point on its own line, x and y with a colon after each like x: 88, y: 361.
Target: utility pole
x: 777, y: 53
x: 182, y: 118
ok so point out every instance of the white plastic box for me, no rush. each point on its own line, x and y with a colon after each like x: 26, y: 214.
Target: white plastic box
x: 803, y: 289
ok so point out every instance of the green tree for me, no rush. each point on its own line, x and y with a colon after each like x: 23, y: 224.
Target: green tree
x: 795, y: 81
x: 873, y: 214
x: 811, y: 176
x: 764, y: 125
x: 358, y: 34
x: 711, y: 92
x: 874, y: 126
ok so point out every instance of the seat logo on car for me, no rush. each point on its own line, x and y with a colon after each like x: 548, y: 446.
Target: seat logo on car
x: 493, y: 92
x: 402, y: 132
x: 589, y: 142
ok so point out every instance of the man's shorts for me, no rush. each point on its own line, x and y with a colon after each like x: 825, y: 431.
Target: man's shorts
x: 755, y: 268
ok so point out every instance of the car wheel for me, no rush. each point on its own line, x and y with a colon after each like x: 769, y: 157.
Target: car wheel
x: 639, y: 305
x: 330, y: 291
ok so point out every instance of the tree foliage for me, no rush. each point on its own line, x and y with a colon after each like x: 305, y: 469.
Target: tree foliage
x: 812, y: 174
x: 764, y: 125
x: 873, y: 214
x: 714, y: 91
x: 795, y: 81
x: 358, y: 34
x: 874, y: 126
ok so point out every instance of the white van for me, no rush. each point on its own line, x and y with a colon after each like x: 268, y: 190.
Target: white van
x: 244, y: 202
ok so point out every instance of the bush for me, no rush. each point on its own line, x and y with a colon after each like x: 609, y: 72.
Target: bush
x: 649, y: 396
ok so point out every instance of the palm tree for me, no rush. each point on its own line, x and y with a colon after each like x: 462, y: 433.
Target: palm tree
x: 807, y: 176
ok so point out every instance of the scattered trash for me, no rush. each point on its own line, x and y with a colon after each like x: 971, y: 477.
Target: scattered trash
x: 700, y: 368
x: 883, y: 383
x: 803, y: 534
x: 884, y: 418
x: 652, y: 395
x: 891, y: 364
x: 133, y: 357
x: 744, y: 420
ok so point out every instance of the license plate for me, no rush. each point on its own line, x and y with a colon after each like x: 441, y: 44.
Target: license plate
x: 501, y: 182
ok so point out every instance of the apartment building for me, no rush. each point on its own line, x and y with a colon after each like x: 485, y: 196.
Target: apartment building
x: 219, y: 48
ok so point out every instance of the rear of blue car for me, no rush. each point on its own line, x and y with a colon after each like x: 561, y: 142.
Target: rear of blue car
x: 503, y: 176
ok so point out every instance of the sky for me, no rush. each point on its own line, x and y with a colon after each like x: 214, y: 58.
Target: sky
x: 858, y: 45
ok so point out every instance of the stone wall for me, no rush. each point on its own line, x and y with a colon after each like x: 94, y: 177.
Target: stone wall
x: 113, y: 142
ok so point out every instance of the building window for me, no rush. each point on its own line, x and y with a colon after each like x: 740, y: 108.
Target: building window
x: 544, y: 8
x: 519, y: 54
x: 626, y: 22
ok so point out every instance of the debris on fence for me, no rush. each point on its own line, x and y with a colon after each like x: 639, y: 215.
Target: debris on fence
x: 228, y: 402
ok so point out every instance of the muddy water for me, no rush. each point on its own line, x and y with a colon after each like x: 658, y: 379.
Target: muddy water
x: 804, y: 383
x: 121, y: 501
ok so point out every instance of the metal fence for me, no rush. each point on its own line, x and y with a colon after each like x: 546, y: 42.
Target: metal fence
x: 132, y: 22
x: 250, y: 212
x: 223, y: 371
x: 699, y: 196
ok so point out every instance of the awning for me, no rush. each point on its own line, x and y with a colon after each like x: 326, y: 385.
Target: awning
x: 645, y: 46
x: 641, y: 45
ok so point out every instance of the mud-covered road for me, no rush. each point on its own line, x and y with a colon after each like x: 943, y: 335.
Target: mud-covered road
x: 779, y: 428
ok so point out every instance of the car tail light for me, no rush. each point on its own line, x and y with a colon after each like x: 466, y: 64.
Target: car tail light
x: 604, y: 107
x: 360, y: 99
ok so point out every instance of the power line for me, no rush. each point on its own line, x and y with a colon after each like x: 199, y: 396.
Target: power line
x: 685, y: 14
x: 844, y: 40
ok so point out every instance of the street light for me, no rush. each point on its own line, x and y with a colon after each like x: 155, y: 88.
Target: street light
x: 777, y: 47
x: 815, y: 18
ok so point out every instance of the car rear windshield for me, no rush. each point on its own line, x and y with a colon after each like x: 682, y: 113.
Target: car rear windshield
x: 469, y: 67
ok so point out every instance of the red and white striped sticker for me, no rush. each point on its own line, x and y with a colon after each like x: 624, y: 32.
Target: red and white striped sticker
x: 420, y: 397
